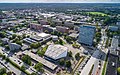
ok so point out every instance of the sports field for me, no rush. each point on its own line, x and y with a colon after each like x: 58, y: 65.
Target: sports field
x: 98, y: 13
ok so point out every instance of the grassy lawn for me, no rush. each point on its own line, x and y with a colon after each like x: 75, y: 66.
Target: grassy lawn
x: 97, y: 13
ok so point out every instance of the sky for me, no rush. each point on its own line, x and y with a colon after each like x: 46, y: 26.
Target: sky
x: 59, y: 1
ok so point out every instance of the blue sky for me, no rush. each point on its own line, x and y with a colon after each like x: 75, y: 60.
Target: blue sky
x: 59, y: 1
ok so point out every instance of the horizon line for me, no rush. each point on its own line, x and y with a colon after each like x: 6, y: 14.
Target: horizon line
x: 61, y: 2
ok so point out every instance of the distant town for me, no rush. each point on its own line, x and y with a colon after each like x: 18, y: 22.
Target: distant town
x: 59, y: 39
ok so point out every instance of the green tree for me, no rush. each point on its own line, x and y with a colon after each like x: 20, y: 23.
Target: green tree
x: 77, y: 56
x: 62, y: 62
x: 39, y: 67
x: 98, y: 34
x: 23, y: 67
x: 68, y: 39
x: 2, y: 71
x: 19, y: 42
x: 68, y: 64
x: 24, y: 36
x: 42, y: 52
x: 70, y: 54
x: 14, y: 36
x: 118, y: 70
x: 33, y: 73
x: 2, y: 34
x: 6, y: 46
x: 9, y: 73
x: 26, y: 59
x: 35, y: 45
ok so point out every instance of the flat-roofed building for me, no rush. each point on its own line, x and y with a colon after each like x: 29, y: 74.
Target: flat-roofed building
x: 37, y: 27
x: 86, y: 35
x: 114, y: 45
x: 118, y: 24
x: 55, y: 52
x: 5, y: 40
x: 57, y: 22
x: 69, y: 24
x: 44, y: 35
x: 43, y: 22
x: 48, y: 29
x: 29, y: 41
x: 113, y: 28
x: 40, y: 37
x: 14, y: 46
x: 62, y: 29
x: 37, y: 58
x: 55, y: 38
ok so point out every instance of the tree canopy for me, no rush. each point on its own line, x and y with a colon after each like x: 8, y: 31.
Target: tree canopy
x: 26, y: 59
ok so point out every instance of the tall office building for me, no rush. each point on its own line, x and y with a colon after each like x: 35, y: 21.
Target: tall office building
x: 86, y: 35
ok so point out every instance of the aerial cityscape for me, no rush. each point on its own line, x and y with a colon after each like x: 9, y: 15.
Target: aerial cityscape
x: 59, y: 37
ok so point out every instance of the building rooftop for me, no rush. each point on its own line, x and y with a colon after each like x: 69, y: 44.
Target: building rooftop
x: 74, y: 35
x: 28, y: 40
x: 88, y: 26
x: 35, y: 24
x: 43, y: 35
x: 36, y: 38
x: 55, y: 51
x: 41, y: 60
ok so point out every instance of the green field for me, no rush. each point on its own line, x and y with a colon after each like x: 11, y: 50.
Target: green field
x: 97, y: 13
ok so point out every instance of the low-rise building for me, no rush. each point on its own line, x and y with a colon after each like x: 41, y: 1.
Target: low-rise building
x: 43, y: 22
x: 48, y: 29
x: 57, y: 22
x: 55, y: 52
x: 54, y: 38
x: 74, y: 35
x: 113, y: 28
x: 37, y: 58
x: 37, y: 27
x: 114, y: 45
x: 41, y: 37
x: 118, y: 24
x: 5, y: 40
x: 14, y: 46
x: 69, y: 24
x: 62, y: 29
x: 29, y: 41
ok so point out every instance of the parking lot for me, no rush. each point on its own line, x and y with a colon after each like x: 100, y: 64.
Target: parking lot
x: 81, y: 66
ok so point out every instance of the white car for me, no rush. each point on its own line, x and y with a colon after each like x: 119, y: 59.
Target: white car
x: 113, y: 64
